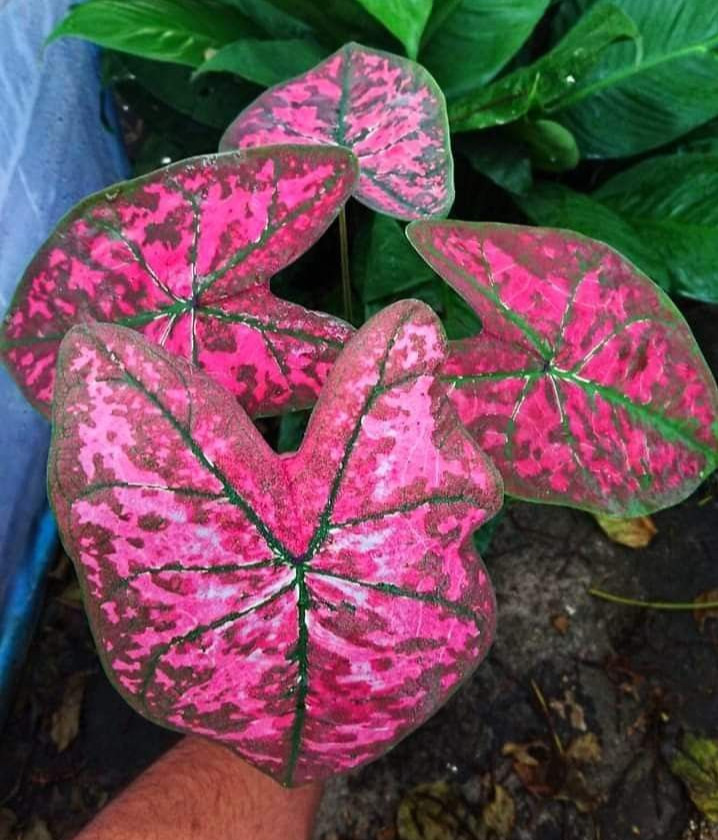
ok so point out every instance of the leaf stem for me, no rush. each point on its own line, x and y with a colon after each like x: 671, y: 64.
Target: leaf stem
x: 653, y: 605
x: 344, y: 257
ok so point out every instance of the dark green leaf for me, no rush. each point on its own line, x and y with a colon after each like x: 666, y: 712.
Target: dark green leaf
x: 458, y: 318
x: 703, y: 139
x: 485, y: 535
x: 383, y: 262
x: 337, y: 21
x: 213, y: 101
x: 551, y: 146
x: 179, y: 31
x: 275, y: 22
x: 291, y: 430
x: 405, y: 19
x: 385, y: 266
x: 265, y: 62
x: 503, y: 159
x: 553, y: 205
x: 672, y: 201
x: 549, y: 80
x: 631, y: 102
x: 469, y: 41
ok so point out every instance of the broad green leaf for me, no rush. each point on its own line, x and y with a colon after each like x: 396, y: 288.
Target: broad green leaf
x: 549, y: 80
x: 500, y: 157
x: 405, y: 19
x: 557, y: 206
x: 672, y: 201
x: 631, y: 102
x: 180, y: 31
x: 469, y: 41
x: 703, y: 139
x: 265, y: 62
x: 551, y: 146
x: 662, y: 214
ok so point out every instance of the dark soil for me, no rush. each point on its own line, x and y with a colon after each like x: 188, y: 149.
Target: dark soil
x: 564, y: 665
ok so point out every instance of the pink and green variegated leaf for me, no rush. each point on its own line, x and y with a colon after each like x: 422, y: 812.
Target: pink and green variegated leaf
x: 307, y: 610
x: 585, y: 386
x: 388, y: 110
x: 184, y: 255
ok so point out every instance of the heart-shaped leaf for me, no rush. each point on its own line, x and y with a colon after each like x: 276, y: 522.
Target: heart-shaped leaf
x: 309, y: 609
x: 185, y: 256
x: 387, y: 109
x: 585, y: 385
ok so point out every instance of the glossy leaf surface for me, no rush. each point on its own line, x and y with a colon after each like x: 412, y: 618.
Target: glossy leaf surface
x: 405, y: 19
x: 468, y: 41
x: 637, y: 99
x: 544, y: 84
x: 180, y: 31
x: 185, y: 256
x: 387, y: 110
x: 263, y: 61
x: 661, y: 213
x: 585, y: 385
x: 308, y: 610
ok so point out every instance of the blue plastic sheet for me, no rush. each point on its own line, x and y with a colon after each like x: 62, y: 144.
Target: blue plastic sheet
x: 54, y: 150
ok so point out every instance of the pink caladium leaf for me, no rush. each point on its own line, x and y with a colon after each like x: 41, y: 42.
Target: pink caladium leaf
x: 309, y: 609
x: 387, y: 109
x: 585, y: 386
x: 184, y: 255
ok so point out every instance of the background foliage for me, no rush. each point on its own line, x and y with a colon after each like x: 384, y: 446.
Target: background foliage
x: 597, y: 116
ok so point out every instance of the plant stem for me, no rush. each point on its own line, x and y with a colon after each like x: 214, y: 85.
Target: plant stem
x: 344, y: 257
x: 653, y: 605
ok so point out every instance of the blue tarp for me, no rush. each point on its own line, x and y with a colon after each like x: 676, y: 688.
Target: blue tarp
x: 54, y: 150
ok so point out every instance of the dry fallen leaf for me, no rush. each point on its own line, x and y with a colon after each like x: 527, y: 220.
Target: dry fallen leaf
x: 37, y: 830
x: 544, y: 771
x: 539, y: 768
x: 585, y: 749
x: 7, y: 824
x: 66, y: 720
x: 499, y: 815
x: 560, y: 623
x: 436, y: 811
x: 569, y: 709
x: 633, y: 533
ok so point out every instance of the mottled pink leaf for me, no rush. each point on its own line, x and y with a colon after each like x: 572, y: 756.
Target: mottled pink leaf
x: 307, y: 610
x: 585, y: 385
x: 388, y: 110
x: 184, y: 255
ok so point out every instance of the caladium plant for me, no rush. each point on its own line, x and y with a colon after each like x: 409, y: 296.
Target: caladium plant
x: 185, y: 256
x: 307, y: 610
x: 387, y: 109
x: 585, y: 385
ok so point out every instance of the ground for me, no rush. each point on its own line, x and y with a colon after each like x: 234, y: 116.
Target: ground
x: 572, y: 722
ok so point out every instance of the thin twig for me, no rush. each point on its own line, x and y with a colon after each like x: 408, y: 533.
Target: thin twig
x: 653, y: 605
x: 344, y: 257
